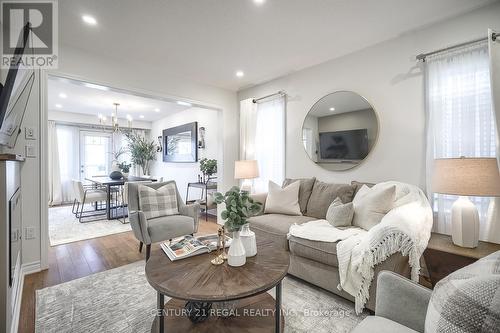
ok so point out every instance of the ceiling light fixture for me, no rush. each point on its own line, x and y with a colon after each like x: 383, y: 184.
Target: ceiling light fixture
x: 96, y: 86
x: 58, y: 106
x: 157, y: 110
x: 89, y: 20
x: 240, y: 74
x: 184, y: 103
x: 332, y: 109
x: 141, y: 116
x: 114, y: 119
x: 62, y: 95
x: 259, y: 2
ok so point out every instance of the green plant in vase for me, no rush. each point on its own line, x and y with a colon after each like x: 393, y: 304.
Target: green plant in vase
x: 239, y: 207
x: 142, y: 150
x: 124, y: 167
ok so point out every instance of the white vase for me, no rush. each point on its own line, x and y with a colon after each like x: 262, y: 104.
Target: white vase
x: 236, y: 255
x: 247, y: 237
x: 114, y: 166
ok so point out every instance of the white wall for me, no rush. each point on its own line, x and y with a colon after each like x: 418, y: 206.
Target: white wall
x: 390, y: 79
x: 183, y: 173
x: 30, y: 178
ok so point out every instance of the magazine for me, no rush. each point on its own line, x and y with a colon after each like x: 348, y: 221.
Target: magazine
x: 189, y: 246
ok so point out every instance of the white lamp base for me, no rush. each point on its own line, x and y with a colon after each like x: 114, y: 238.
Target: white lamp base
x: 246, y: 186
x: 464, y: 223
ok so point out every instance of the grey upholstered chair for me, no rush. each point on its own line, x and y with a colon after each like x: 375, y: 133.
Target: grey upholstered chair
x: 401, y: 306
x: 161, y: 228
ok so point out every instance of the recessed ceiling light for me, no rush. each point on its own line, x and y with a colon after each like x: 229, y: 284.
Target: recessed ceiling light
x: 332, y: 109
x: 157, y: 110
x: 89, y: 20
x: 141, y: 116
x: 96, y: 86
x: 63, y: 95
x: 259, y: 2
x: 129, y: 117
x: 184, y: 103
x: 58, y: 106
x: 240, y: 74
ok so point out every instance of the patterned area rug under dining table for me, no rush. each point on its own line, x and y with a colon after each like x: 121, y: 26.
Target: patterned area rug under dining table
x: 121, y: 300
x: 64, y: 227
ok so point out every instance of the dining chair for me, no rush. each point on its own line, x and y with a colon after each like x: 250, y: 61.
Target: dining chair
x: 163, y: 228
x: 87, y: 194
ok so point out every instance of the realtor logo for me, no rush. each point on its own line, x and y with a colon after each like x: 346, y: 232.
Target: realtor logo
x: 40, y: 49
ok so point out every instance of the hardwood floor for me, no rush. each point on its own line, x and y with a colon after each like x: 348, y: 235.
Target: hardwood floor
x: 74, y: 260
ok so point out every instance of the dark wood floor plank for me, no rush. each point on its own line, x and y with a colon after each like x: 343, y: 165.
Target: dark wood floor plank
x: 73, y: 260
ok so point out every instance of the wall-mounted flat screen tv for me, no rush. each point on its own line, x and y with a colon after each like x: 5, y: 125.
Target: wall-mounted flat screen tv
x: 15, y: 93
x: 180, y: 143
x: 344, y: 145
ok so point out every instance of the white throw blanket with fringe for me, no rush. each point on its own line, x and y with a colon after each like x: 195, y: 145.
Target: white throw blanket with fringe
x: 405, y: 229
x: 322, y: 231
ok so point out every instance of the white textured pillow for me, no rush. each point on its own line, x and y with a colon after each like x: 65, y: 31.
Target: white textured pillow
x: 283, y: 200
x: 371, y: 205
x: 340, y: 214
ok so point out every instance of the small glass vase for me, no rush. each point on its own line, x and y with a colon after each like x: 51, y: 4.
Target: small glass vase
x: 248, y: 239
x: 236, y: 255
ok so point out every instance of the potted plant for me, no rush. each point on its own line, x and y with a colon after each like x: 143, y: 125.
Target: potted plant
x: 116, y: 155
x: 208, y: 168
x: 142, y: 151
x: 239, y: 207
x: 125, y: 168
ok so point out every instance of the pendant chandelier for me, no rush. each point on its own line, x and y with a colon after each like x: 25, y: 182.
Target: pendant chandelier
x: 114, y: 119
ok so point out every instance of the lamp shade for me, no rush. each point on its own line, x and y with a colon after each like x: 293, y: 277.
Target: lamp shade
x: 246, y: 169
x: 466, y: 176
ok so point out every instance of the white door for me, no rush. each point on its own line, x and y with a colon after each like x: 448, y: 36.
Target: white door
x: 95, y: 154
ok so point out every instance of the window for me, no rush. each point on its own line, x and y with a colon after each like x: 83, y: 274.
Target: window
x: 461, y: 120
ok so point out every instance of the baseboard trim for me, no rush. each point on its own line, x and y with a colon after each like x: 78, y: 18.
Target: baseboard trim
x: 26, y: 269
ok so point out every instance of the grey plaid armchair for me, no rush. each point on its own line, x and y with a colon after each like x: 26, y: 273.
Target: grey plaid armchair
x: 161, y: 228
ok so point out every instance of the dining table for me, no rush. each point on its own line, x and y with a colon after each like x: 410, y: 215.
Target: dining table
x: 109, y: 183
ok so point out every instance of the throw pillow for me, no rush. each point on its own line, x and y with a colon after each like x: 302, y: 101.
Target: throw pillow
x: 158, y: 202
x: 371, y: 205
x: 323, y: 195
x: 305, y: 190
x: 358, y: 185
x: 339, y: 214
x: 283, y: 200
x: 467, y: 300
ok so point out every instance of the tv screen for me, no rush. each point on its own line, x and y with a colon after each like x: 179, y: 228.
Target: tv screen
x: 344, y: 145
x: 14, y: 95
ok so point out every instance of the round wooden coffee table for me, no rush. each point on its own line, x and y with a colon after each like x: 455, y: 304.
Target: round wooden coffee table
x: 196, y: 279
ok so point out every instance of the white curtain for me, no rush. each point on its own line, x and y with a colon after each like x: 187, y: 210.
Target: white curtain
x: 69, y: 158
x: 54, y: 174
x: 460, y: 119
x: 262, y: 137
x: 494, y: 52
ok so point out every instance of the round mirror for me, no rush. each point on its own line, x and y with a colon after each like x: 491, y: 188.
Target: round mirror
x: 340, y: 130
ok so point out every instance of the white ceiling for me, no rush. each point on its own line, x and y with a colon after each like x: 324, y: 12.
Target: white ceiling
x: 207, y: 41
x: 89, y: 100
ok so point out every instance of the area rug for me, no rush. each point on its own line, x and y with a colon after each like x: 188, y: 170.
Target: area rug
x: 121, y: 300
x: 65, y: 228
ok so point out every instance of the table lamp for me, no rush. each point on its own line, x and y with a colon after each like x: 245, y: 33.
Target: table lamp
x: 246, y: 170
x: 466, y: 177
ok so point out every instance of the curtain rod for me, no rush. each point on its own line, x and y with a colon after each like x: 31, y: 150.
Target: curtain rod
x: 422, y: 56
x: 281, y: 92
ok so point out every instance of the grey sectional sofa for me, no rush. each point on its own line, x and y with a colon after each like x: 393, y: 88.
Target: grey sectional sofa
x: 312, y: 261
